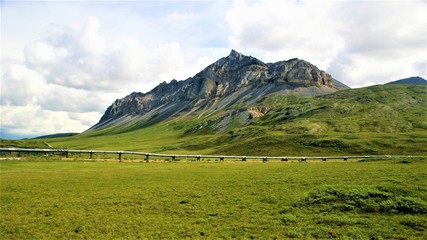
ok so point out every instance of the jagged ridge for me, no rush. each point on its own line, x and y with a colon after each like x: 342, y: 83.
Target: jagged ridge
x: 220, y: 85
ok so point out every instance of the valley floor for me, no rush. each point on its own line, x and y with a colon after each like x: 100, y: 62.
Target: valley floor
x: 51, y: 199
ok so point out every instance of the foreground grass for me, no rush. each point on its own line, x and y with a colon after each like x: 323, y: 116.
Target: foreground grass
x: 359, y: 200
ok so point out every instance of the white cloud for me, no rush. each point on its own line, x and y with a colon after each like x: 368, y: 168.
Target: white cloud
x: 285, y: 28
x: 361, y: 70
x: 369, y: 26
x: 20, y: 86
x: 60, y: 98
x: 79, y: 57
x: 32, y: 120
x: 90, y: 38
x: 358, y: 42
x: 384, y: 41
x: 87, y: 119
x: 71, y: 75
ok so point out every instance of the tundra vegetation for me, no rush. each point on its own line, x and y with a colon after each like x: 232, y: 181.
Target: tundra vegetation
x: 50, y: 198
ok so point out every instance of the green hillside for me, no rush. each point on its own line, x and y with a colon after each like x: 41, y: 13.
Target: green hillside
x: 383, y: 119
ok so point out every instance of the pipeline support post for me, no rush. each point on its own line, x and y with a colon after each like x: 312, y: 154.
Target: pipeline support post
x: 120, y: 156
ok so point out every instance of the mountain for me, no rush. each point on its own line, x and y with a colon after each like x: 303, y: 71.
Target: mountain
x: 239, y: 105
x: 411, y: 80
x: 56, y: 135
x: 233, y: 80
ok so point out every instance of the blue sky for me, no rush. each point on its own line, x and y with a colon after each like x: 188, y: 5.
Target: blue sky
x: 64, y: 62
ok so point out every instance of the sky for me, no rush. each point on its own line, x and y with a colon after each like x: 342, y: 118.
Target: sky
x: 64, y: 62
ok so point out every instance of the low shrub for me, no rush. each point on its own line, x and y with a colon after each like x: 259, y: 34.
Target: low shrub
x: 288, y: 219
x: 414, y: 222
x: 365, y: 199
x: 270, y: 199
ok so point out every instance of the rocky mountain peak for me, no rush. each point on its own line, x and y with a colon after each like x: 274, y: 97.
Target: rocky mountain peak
x: 234, y: 55
x: 230, y: 79
x: 234, y: 61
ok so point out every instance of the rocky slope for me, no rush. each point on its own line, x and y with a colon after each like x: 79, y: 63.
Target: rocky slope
x: 235, y: 79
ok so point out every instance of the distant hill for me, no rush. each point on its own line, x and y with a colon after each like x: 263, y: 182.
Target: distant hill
x: 411, y: 80
x: 57, y: 135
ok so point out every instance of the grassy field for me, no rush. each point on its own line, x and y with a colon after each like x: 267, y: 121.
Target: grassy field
x: 51, y: 199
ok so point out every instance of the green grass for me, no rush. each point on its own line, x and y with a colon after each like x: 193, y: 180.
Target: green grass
x: 53, y: 199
